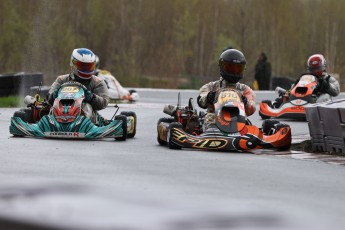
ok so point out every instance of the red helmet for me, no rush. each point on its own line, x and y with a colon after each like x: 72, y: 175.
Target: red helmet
x: 317, y: 64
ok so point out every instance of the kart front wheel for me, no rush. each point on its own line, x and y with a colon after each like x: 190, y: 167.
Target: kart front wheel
x: 124, y: 127
x: 268, y: 126
x: 165, y: 120
x: 169, y: 136
x: 24, y: 114
x: 263, y: 116
x: 133, y: 118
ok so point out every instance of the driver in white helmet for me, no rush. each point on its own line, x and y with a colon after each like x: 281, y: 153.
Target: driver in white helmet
x: 327, y: 86
x: 83, y: 62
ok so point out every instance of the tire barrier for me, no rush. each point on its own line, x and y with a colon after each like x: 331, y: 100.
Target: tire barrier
x: 326, y: 122
x: 18, y: 83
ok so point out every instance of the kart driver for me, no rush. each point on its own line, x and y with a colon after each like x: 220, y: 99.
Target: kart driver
x: 232, y: 64
x: 327, y: 86
x: 83, y: 62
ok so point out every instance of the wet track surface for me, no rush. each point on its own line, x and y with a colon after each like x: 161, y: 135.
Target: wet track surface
x: 137, y: 184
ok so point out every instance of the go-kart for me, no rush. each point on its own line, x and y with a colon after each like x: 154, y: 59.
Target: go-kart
x: 232, y: 130
x: 291, y: 104
x: 66, y: 119
x: 116, y: 92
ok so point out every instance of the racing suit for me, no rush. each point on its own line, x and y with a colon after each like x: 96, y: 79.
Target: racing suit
x: 243, y: 89
x: 96, y: 85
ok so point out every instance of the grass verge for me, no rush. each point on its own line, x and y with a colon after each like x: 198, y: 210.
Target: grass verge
x: 10, y: 101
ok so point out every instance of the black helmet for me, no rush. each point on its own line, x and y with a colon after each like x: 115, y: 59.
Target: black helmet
x: 232, y: 64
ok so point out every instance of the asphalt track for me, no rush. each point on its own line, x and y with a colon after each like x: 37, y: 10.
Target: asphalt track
x: 137, y: 184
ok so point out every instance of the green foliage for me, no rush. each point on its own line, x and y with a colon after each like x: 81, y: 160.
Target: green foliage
x: 157, y: 43
x: 10, y: 101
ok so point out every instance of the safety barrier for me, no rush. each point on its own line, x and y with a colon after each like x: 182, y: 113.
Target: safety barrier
x: 18, y: 83
x: 326, y: 122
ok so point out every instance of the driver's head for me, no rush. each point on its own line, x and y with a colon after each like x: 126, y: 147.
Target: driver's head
x: 232, y: 64
x: 317, y: 64
x: 83, y: 63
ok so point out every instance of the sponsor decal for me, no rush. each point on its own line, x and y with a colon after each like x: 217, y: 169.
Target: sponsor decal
x: 199, y: 143
x: 299, y: 102
x: 297, y: 108
x: 70, y: 89
x: 64, y: 134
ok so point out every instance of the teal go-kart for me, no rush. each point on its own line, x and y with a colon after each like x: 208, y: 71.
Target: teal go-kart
x: 66, y: 119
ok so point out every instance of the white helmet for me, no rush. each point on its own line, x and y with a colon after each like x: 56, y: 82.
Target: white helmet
x: 317, y: 64
x: 83, y: 62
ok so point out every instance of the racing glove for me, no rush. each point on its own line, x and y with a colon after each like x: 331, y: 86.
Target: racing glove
x: 88, y: 96
x: 324, y: 84
x: 244, y: 100
x: 210, y: 97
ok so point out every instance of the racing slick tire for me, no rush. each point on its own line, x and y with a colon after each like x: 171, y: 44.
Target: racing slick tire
x: 166, y: 120
x: 24, y: 114
x: 263, y: 116
x: 170, y: 144
x: 124, y: 127
x: 268, y: 125
x: 131, y: 114
x: 131, y: 91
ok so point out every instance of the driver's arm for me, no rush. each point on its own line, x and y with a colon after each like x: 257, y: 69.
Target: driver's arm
x: 202, y: 98
x: 56, y: 85
x: 101, y: 98
x: 334, y: 88
x: 250, y: 95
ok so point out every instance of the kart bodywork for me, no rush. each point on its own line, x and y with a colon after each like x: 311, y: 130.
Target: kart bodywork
x: 291, y: 103
x: 116, y: 91
x: 66, y: 119
x: 232, y: 130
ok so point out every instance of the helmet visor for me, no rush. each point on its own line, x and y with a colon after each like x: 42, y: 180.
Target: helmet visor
x: 84, y: 67
x: 314, y: 69
x: 233, y: 68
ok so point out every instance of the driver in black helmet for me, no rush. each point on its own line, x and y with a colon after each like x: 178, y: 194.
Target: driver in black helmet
x: 232, y: 64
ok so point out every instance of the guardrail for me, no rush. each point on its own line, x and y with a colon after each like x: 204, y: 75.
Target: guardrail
x: 18, y: 83
x: 326, y: 122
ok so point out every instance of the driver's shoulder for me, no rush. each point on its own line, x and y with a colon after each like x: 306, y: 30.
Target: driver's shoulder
x: 242, y: 87
x: 63, y: 78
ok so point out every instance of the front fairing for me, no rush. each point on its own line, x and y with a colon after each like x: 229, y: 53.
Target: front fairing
x: 67, y: 106
x: 230, y: 112
x: 81, y: 128
x: 304, y: 89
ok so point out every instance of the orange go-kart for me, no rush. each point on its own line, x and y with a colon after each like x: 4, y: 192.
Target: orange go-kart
x: 290, y: 104
x: 232, y: 130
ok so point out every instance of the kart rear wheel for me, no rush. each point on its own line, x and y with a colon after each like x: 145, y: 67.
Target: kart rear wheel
x: 269, y: 103
x: 263, y: 116
x: 131, y: 91
x: 131, y: 114
x: 166, y: 120
x: 170, y: 144
x: 268, y: 125
x: 124, y: 127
